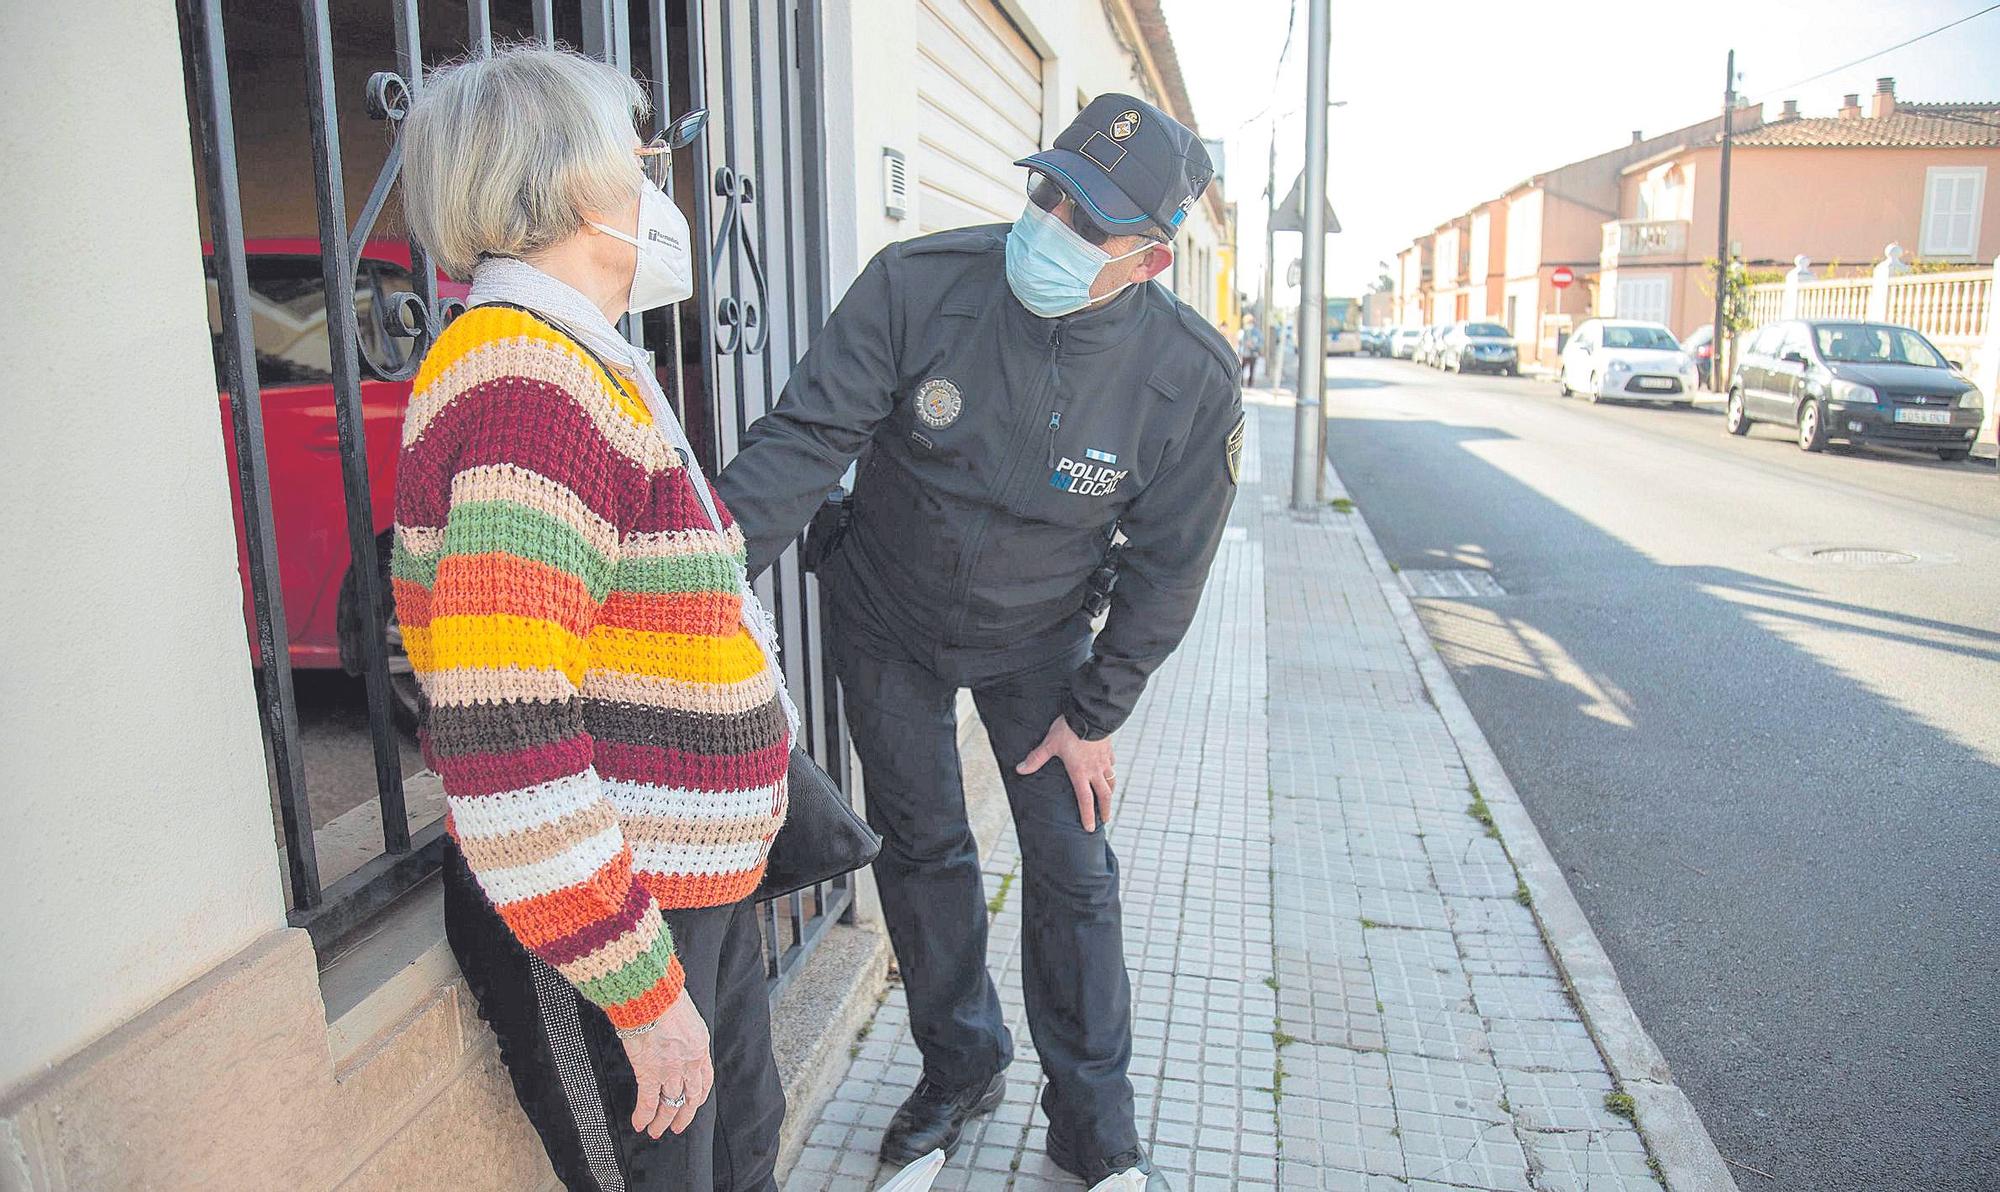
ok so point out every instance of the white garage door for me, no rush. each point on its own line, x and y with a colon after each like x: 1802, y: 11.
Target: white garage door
x: 979, y: 94
x: 1643, y: 298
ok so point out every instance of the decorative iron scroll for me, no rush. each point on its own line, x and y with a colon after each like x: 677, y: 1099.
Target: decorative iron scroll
x: 739, y: 325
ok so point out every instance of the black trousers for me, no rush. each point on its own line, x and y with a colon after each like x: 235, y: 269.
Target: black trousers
x: 902, y: 712
x: 569, y: 1067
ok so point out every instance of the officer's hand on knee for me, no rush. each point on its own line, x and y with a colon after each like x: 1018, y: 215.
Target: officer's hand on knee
x: 1090, y: 765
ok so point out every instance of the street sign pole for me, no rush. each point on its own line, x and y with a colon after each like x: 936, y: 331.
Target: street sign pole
x: 1717, y: 378
x: 1307, y: 428
x: 1267, y: 329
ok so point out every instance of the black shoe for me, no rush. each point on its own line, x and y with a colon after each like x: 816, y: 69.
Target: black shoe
x: 933, y: 1117
x: 1095, y: 1171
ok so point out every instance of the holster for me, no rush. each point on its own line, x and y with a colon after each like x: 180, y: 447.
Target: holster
x: 827, y: 528
x: 1103, y: 578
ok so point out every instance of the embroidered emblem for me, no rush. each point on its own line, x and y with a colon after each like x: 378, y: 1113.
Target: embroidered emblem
x: 1234, y: 451
x: 1125, y: 125
x: 1091, y: 476
x: 939, y: 403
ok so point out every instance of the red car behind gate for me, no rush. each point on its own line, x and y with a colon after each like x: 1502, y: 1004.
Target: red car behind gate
x: 302, y: 444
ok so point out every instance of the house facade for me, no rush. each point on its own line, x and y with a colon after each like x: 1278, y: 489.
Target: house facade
x: 1496, y: 260
x: 226, y: 971
x: 1919, y: 175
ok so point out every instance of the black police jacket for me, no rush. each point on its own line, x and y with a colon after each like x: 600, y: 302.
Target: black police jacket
x: 1001, y: 451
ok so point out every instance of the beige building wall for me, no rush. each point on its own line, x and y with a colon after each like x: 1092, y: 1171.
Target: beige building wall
x: 869, y: 89
x: 134, y: 862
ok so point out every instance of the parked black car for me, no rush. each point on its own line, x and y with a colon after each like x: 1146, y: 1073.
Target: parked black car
x: 1701, y: 346
x: 1861, y: 382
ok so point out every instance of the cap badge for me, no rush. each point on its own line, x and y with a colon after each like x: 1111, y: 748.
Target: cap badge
x: 939, y: 403
x: 1125, y: 125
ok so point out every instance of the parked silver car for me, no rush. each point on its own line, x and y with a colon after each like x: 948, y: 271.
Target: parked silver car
x: 1479, y: 347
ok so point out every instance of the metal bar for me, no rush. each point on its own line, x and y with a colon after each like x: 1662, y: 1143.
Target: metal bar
x: 745, y: 196
x: 663, y: 101
x: 479, y: 26
x: 783, y: 969
x: 704, y: 218
x: 1306, y: 425
x: 353, y: 899
x: 246, y: 413
x: 795, y: 906
x: 771, y: 949
x: 410, y: 64
x: 343, y: 345
x: 545, y: 21
x: 607, y: 33
x: 813, y: 150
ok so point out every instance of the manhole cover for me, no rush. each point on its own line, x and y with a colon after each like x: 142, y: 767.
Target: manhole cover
x: 1861, y: 555
x: 1451, y: 584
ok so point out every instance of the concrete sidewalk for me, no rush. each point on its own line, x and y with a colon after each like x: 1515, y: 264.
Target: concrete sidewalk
x: 1340, y: 981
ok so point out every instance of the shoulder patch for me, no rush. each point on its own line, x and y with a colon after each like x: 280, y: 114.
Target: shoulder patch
x: 983, y: 238
x: 1210, y: 338
x: 1233, y: 450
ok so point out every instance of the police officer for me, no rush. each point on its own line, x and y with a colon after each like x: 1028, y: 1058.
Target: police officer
x: 1020, y: 398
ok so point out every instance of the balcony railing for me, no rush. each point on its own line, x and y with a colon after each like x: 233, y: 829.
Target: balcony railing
x: 1643, y: 239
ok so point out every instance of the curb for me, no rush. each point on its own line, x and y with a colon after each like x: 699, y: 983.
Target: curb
x: 1674, y: 1133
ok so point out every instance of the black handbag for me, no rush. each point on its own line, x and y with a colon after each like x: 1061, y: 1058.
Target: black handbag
x: 821, y: 838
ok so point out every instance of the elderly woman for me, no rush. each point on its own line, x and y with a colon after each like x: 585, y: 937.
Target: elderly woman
x: 603, y: 701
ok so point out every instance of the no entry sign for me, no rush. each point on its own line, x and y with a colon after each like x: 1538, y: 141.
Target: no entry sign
x: 1561, y: 277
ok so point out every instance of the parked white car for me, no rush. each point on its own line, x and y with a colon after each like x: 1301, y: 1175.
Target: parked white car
x: 1403, y: 342
x: 1626, y: 360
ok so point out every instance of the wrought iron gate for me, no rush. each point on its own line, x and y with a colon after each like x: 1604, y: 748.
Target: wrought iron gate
x: 754, y: 185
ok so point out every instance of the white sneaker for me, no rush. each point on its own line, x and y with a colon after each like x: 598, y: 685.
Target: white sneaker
x: 1131, y: 1180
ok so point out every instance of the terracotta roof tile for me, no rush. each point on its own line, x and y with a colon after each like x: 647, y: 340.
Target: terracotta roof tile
x: 1910, y: 126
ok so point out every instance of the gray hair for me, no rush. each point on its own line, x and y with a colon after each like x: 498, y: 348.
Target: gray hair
x: 503, y: 154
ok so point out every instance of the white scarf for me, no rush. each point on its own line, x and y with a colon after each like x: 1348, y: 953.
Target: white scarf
x: 505, y: 279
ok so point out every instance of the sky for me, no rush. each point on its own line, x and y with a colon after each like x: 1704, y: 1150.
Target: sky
x: 1450, y: 102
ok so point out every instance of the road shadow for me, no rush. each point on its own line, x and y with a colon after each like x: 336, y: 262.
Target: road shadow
x: 1794, y: 874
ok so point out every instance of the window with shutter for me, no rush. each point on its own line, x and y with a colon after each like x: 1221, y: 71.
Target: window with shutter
x: 1952, y: 196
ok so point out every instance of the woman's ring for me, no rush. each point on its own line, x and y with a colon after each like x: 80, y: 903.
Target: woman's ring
x: 674, y: 1102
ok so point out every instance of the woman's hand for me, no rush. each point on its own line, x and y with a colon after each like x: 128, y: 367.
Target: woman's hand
x: 1091, y: 766
x: 669, y: 1063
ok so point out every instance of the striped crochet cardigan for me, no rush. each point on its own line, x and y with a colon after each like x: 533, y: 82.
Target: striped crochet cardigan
x: 609, y: 734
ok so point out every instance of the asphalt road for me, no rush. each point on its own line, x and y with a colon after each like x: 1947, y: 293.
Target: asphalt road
x: 1774, y: 783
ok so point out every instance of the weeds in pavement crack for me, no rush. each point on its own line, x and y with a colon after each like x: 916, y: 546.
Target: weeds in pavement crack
x: 1622, y: 1105
x: 999, y: 898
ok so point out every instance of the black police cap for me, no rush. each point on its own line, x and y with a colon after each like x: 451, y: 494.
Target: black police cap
x: 1129, y: 166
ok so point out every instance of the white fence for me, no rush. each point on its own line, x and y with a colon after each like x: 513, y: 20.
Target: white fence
x: 1956, y: 311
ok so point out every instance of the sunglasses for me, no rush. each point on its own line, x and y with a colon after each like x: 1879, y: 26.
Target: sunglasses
x: 656, y: 155
x: 1045, y: 194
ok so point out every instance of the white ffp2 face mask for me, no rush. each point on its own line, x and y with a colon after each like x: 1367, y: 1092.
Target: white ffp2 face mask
x: 664, y: 272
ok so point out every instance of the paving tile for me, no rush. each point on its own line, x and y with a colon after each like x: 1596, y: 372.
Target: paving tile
x: 1464, y: 1151
x: 1558, y: 1100
x: 1590, y: 1161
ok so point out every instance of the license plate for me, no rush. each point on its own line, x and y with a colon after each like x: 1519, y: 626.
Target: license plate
x: 1655, y: 383
x: 1925, y: 417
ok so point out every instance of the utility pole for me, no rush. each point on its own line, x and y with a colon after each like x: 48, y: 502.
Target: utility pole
x: 1718, y: 376
x: 1307, y: 428
x: 1267, y: 328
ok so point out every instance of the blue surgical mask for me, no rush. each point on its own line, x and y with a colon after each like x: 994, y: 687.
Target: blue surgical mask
x: 1050, y: 268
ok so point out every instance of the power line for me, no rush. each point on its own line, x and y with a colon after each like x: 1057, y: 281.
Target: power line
x: 1878, y: 53
x: 1291, y: 25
